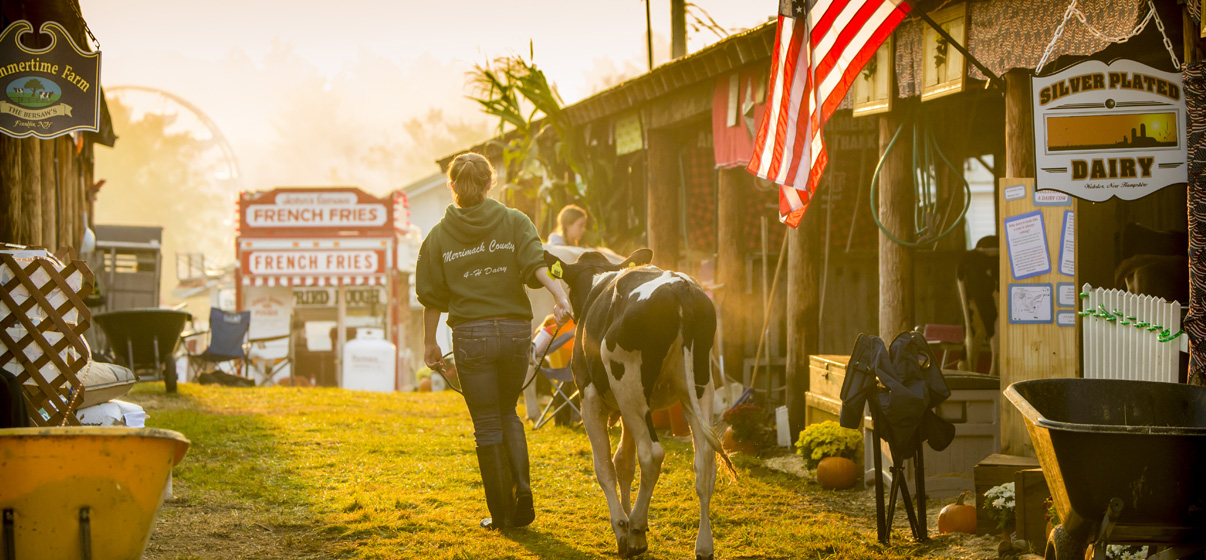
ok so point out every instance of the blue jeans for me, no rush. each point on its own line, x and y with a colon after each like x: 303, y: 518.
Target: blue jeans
x: 491, y: 361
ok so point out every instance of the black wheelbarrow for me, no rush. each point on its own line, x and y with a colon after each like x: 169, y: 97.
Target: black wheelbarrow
x: 1125, y: 462
x: 144, y: 340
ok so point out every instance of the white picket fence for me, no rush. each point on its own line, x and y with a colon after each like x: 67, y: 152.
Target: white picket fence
x: 1130, y: 336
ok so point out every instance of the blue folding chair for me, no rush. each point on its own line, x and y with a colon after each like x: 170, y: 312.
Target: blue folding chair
x: 560, y: 379
x: 227, y: 341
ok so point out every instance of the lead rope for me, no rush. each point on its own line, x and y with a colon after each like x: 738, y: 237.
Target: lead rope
x: 1074, y: 11
x: 547, y: 349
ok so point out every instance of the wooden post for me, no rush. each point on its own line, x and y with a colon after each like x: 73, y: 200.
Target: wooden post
x: 1019, y: 125
x: 1030, y: 351
x: 64, y: 175
x: 406, y: 377
x: 678, y: 28
x: 730, y: 265
x: 895, y: 201
x: 341, y: 335
x: 50, y: 203
x: 80, y: 203
x: 803, y: 308
x: 661, y: 188
x: 11, y: 223
x: 31, y: 189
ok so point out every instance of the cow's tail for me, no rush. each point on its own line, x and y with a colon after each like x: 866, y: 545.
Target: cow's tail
x: 696, y: 354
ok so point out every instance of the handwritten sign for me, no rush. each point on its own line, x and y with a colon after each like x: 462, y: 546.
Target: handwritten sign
x: 1026, y: 240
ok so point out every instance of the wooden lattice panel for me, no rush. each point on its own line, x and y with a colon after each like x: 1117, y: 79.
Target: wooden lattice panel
x: 42, y: 323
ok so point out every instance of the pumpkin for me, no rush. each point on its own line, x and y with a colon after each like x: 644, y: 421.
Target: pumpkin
x: 734, y: 445
x: 958, y: 517
x: 836, y: 473
x: 425, y: 385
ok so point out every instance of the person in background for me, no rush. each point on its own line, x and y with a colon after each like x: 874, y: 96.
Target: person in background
x: 571, y: 224
x: 473, y: 265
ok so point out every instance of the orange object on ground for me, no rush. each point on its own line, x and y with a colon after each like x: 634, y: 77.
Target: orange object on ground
x: 678, y: 422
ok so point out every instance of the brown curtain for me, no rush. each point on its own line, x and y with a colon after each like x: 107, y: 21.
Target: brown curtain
x: 1194, y: 76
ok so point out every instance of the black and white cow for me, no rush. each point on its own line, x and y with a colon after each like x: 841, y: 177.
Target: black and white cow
x: 643, y: 343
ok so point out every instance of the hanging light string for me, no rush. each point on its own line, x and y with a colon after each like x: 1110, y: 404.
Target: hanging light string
x: 1074, y: 11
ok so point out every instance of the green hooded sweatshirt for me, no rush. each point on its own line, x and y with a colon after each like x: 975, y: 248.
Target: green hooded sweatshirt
x: 474, y: 263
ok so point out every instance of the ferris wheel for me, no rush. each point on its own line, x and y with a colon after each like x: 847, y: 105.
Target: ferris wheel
x: 216, y: 156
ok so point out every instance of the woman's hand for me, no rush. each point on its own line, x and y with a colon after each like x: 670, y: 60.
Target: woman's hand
x: 561, y: 311
x: 433, y: 356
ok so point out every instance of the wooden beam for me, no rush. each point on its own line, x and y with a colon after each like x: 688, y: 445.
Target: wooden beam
x: 661, y: 189
x: 50, y: 202
x: 683, y: 105
x: 735, y: 188
x: 64, y: 187
x: 31, y: 189
x: 1019, y: 125
x: 895, y: 200
x: 11, y: 224
x: 804, y: 251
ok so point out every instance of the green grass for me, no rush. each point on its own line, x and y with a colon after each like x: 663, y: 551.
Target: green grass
x: 326, y: 473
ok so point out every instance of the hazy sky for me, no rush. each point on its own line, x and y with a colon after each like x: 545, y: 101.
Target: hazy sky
x: 315, y: 93
x: 160, y: 42
x: 568, y: 34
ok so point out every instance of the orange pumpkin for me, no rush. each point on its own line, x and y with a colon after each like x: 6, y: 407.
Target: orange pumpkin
x: 734, y: 445
x: 957, y: 517
x: 836, y: 473
x: 425, y: 385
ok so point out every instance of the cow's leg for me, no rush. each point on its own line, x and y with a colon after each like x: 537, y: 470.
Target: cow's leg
x: 705, y: 472
x: 625, y: 462
x: 594, y: 420
x: 650, y: 454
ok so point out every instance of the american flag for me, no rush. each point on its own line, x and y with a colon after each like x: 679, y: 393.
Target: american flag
x: 824, y: 42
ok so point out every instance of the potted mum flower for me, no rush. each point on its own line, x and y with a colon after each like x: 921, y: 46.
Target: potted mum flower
x: 747, y: 428
x: 999, y: 501
x: 831, y: 450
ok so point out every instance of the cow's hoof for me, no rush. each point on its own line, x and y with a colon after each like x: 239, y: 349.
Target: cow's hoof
x: 637, y: 542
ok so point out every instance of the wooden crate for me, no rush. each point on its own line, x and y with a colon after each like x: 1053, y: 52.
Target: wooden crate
x: 825, y: 375
x: 995, y: 470
x: 1030, y: 507
x: 819, y: 409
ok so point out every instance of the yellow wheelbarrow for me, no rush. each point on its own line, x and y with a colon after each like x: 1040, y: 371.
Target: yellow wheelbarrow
x: 82, y: 492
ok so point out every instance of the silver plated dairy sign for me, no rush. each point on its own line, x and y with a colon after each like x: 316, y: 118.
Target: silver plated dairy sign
x: 1105, y: 130
x: 47, y: 92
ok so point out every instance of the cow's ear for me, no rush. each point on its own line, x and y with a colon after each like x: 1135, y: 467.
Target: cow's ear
x: 637, y: 258
x: 556, y: 266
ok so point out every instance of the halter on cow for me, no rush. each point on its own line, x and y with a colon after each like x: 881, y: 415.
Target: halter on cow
x: 644, y: 342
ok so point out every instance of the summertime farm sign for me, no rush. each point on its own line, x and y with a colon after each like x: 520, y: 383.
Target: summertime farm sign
x: 1105, y: 130
x: 47, y: 92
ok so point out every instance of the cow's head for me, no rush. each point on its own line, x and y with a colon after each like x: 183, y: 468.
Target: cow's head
x: 580, y: 276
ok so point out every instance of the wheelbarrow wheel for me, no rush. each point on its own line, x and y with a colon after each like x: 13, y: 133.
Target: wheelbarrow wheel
x: 1062, y: 546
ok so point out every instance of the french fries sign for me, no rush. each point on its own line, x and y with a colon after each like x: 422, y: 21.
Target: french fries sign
x: 1109, y: 130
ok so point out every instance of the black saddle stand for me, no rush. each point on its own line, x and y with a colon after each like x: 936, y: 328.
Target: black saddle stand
x: 899, y: 487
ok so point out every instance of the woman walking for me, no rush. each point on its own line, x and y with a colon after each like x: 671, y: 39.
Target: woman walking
x: 473, y: 265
